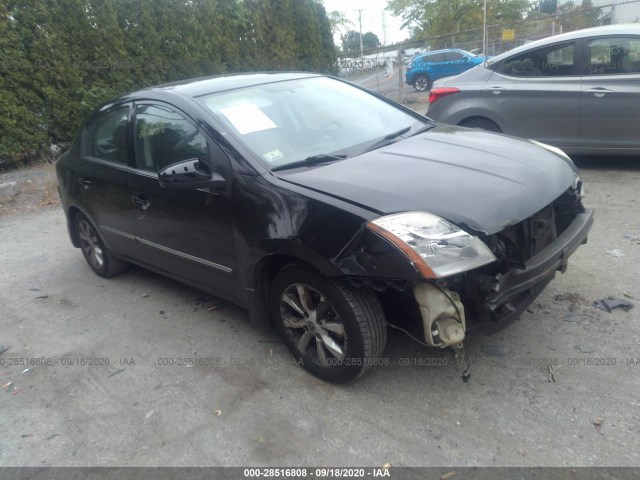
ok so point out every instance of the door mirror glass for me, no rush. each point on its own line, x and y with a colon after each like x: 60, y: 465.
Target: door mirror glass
x: 188, y: 174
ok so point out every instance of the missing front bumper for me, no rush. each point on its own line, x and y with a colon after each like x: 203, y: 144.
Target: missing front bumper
x: 500, y: 299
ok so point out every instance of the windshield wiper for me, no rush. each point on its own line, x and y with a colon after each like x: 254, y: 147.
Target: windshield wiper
x: 312, y: 160
x: 386, y: 140
x: 423, y: 129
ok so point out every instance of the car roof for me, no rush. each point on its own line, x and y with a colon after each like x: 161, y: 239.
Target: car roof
x: 444, y: 50
x: 195, y: 87
x: 618, y: 29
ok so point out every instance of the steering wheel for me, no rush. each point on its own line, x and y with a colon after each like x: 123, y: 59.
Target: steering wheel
x: 329, y: 130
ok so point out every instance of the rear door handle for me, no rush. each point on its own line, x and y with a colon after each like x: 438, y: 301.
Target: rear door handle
x: 496, y: 90
x: 598, y: 91
x: 85, y: 183
x: 142, y: 201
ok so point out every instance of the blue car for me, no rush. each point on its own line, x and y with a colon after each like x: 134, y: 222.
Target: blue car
x: 425, y: 68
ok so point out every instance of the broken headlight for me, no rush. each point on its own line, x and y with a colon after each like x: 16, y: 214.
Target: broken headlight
x: 436, y: 247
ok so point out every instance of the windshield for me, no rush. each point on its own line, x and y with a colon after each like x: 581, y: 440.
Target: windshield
x: 288, y: 122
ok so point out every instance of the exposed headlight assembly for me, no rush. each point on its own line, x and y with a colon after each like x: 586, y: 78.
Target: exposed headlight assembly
x: 434, y: 246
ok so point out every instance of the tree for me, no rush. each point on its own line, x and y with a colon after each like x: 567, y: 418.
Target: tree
x: 430, y: 18
x: 548, y: 6
x: 339, y: 22
x: 370, y: 41
x: 351, y: 41
x: 575, y: 17
x: 62, y: 58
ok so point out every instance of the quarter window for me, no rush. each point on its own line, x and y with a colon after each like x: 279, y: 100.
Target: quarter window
x: 107, y: 137
x: 164, y: 137
x: 551, y: 61
x: 611, y: 56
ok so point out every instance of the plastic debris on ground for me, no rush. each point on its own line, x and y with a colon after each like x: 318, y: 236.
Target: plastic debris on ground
x: 610, y: 303
x: 583, y: 349
x: 497, y: 350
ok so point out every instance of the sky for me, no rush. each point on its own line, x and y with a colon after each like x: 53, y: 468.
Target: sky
x: 371, y: 17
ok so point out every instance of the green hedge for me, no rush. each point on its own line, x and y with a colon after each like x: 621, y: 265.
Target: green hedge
x: 61, y: 58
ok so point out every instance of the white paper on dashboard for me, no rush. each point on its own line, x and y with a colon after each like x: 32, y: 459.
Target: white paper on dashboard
x: 247, y: 118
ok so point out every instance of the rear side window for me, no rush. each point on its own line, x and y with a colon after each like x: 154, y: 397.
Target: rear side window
x: 551, y: 61
x: 164, y: 137
x: 108, y: 136
x: 453, y: 56
x: 614, y: 56
x: 436, y: 57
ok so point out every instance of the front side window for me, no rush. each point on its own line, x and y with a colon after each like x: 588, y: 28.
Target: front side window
x: 289, y: 121
x: 614, y: 56
x: 550, y: 61
x: 164, y: 137
x: 108, y: 136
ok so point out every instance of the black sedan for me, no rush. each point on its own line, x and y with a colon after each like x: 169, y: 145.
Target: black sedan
x: 323, y: 209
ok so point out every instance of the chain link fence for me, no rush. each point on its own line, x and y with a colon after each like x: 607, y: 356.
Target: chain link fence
x: 383, y: 70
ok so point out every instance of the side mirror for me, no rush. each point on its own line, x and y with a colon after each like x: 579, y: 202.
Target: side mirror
x: 190, y: 174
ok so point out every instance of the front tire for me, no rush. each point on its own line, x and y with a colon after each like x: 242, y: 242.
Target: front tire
x: 334, y: 330
x: 95, y: 252
x: 422, y: 83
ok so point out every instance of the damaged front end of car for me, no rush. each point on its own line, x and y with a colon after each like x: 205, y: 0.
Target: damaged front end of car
x: 529, y: 254
x: 473, y: 281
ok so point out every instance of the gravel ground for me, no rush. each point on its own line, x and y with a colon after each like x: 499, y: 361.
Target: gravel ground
x: 34, y: 187
x: 244, y: 403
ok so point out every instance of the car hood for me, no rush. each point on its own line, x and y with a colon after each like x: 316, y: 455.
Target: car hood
x: 472, y: 178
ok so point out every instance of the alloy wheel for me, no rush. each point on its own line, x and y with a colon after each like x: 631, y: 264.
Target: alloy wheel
x: 314, y: 325
x: 422, y: 84
x: 90, y: 244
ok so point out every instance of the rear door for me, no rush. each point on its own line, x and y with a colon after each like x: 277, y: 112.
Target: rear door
x: 609, y: 116
x: 104, y: 177
x: 434, y: 65
x: 455, y: 63
x: 536, y: 94
x: 185, y: 233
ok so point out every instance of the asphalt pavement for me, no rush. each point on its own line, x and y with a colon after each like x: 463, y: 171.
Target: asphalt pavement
x: 140, y: 370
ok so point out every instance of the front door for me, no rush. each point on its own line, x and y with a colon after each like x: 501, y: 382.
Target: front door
x: 185, y: 233
x: 610, y: 90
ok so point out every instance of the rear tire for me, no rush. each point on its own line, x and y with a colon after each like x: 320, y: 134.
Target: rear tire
x: 95, y: 252
x: 422, y: 83
x: 335, y: 331
x: 481, y: 123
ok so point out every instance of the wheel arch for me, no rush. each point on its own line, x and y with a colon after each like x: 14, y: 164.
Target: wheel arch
x: 72, y: 212
x: 265, y: 270
x: 483, y: 118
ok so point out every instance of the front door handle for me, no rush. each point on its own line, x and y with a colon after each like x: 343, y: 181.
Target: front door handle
x: 142, y: 201
x: 598, y: 91
x: 85, y: 183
